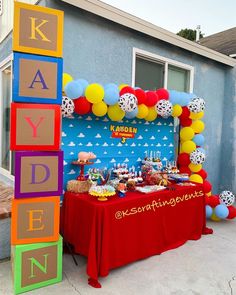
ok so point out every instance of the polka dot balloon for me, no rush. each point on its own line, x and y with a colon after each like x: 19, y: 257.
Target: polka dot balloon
x: 196, y: 105
x: 164, y: 108
x: 197, y: 157
x: 67, y: 106
x: 227, y: 198
x: 128, y: 102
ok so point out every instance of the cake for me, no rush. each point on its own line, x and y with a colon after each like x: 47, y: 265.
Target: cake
x: 102, y: 191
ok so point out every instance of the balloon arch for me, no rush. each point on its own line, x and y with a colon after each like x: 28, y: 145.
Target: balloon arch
x: 123, y: 101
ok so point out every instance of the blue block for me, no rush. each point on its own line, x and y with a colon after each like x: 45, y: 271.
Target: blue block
x: 37, y: 79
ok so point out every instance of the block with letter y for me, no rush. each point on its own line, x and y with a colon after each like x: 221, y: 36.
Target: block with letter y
x: 35, y: 220
x: 38, y: 174
x: 36, y: 265
x: 35, y: 127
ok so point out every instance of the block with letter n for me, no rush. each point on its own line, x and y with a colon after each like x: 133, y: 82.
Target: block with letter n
x: 37, y: 30
x: 35, y: 220
x: 36, y: 265
x: 37, y: 79
x: 35, y: 127
x: 38, y: 174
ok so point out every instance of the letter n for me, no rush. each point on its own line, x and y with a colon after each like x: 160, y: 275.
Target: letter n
x: 34, y: 263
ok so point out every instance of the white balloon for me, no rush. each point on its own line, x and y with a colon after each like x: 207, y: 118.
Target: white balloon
x: 227, y: 198
x: 164, y: 108
x: 128, y: 102
x: 196, y: 105
x: 67, y: 106
x: 197, y: 157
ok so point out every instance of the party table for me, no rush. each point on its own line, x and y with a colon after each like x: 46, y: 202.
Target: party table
x: 122, y: 230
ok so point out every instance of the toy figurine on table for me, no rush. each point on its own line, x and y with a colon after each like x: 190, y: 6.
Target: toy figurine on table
x: 121, y: 188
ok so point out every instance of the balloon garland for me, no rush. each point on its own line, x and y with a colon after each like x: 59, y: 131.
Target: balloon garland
x: 122, y: 101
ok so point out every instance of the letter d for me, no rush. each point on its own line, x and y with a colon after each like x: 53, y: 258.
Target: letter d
x: 47, y: 173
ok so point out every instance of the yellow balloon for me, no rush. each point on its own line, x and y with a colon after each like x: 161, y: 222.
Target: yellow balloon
x: 196, y: 178
x: 142, y: 111
x: 195, y: 167
x: 177, y: 110
x: 188, y: 146
x: 196, y: 116
x: 94, y: 93
x: 186, y: 133
x: 209, y: 194
x: 115, y: 113
x: 66, y: 78
x: 214, y: 217
x: 198, y: 126
x: 152, y: 114
x: 121, y: 86
x: 99, y: 109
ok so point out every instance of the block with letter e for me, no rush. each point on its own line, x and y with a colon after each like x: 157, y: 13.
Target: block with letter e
x: 35, y: 220
x: 37, y: 79
x: 37, y: 30
x: 35, y: 127
x: 38, y: 174
x: 36, y: 265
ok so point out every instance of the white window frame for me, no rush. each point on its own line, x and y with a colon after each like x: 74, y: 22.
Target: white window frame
x: 165, y: 61
x: 3, y: 65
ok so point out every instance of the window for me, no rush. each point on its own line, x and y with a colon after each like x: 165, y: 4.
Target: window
x: 151, y: 71
x: 6, y: 163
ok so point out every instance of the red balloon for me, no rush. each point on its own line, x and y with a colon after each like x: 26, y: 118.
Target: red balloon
x: 207, y: 186
x: 82, y: 106
x: 127, y: 89
x: 232, y: 212
x: 152, y: 98
x: 212, y: 201
x: 185, y: 122
x: 185, y: 113
x: 141, y: 96
x: 162, y: 93
x: 202, y: 173
x: 185, y: 169
x: 183, y: 159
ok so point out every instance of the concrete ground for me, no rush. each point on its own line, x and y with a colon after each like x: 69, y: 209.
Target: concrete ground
x: 203, y: 267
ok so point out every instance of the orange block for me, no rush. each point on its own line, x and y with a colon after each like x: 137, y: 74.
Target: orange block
x: 35, y: 220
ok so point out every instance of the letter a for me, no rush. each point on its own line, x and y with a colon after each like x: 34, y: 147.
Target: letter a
x: 43, y: 268
x: 39, y: 74
x: 35, y: 28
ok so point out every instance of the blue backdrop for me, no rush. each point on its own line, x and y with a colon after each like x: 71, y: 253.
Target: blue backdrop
x: 93, y: 134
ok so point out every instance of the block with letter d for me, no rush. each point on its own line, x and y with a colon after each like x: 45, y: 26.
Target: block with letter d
x: 35, y: 220
x: 35, y: 127
x: 36, y: 265
x: 37, y: 79
x: 38, y: 174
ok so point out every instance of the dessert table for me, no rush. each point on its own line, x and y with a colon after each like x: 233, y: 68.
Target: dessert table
x: 122, y: 230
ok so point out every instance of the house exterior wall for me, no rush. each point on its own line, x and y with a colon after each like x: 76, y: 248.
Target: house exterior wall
x: 101, y: 51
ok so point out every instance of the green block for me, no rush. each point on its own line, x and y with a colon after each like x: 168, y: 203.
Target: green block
x: 36, y: 265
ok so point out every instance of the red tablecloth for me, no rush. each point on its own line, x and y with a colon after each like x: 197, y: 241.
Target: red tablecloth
x: 123, y: 230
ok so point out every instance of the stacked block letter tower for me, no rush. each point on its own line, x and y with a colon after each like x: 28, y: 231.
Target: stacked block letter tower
x: 35, y: 140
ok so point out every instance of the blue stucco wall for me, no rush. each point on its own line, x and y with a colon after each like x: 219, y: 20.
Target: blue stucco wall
x: 101, y: 51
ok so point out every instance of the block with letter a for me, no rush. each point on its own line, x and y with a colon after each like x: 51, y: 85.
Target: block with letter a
x: 37, y: 79
x: 35, y: 220
x: 36, y: 265
x: 35, y: 127
x: 37, y: 30
x: 38, y: 174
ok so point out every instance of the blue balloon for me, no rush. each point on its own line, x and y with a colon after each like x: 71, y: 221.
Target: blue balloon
x: 84, y: 83
x: 221, y: 211
x: 199, y: 139
x: 74, y: 89
x: 110, y: 85
x: 184, y: 99
x: 112, y: 95
x: 174, y: 97
x: 131, y: 115
x: 209, y: 211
